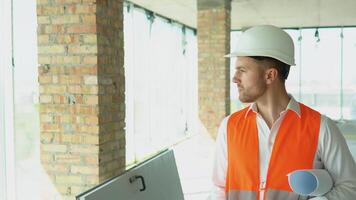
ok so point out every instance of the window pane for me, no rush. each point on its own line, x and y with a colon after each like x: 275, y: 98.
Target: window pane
x: 293, y: 80
x: 161, y: 83
x: 349, y: 74
x: 348, y: 127
x: 7, y: 154
x: 32, y: 180
x: 321, y: 71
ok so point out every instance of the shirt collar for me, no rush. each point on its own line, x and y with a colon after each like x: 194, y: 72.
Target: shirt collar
x: 293, y: 105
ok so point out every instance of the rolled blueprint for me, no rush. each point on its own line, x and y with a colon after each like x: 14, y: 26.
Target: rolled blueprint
x: 313, y: 182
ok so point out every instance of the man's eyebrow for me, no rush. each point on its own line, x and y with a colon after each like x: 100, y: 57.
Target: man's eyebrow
x: 240, y: 67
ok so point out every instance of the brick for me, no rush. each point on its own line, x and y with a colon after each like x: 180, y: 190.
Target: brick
x: 89, y: 1
x: 63, y: 179
x: 65, y: 118
x: 67, y: 39
x: 90, y: 60
x: 64, y: 189
x: 59, y: 99
x: 45, y: 99
x: 81, y: 8
x: 51, y: 29
x: 90, y: 139
x: 91, y: 99
x: 44, y: 79
x: 69, y: 138
x: 67, y: 158
x: 65, y: 60
x: 74, y: 89
x: 46, y: 118
x: 66, y: 1
x: 51, y: 49
x: 50, y: 10
x: 46, y: 157
x: 106, y: 80
x: 53, y: 108
x: 43, y: 39
x: 43, y: 20
x: 92, y: 180
x: 47, y: 138
x: 66, y: 79
x: 61, y: 148
x: 88, y: 70
x: 53, y: 89
x: 91, y: 170
x: 75, y: 79
x: 86, y: 110
x: 69, y: 128
x: 55, y: 79
x: 82, y: 28
x: 50, y: 127
x: 79, y: 120
x: 84, y: 149
x: 90, y: 80
x: 42, y: 2
x: 93, y: 120
x: 88, y: 19
x: 90, y: 89
x: 66, y: 19
x: 90, y: 38
x: 79, y: 99
x: 43, y: 59
x: 82, y: 49
x: 91, y: 160
x: 79, y: 189
x: 89, y: 129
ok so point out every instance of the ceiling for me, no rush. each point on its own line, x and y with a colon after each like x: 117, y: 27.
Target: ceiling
x: 282, y: 13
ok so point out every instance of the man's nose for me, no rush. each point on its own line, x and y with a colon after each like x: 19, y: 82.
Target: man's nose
x: 236, y: 78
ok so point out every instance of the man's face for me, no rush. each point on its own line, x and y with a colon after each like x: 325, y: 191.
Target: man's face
x: 250, y: 79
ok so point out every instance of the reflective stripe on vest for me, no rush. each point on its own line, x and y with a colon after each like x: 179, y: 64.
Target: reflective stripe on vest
x: 270, y: 194
x: 294, y: 148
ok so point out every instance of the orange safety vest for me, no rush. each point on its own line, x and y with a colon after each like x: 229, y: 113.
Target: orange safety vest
x: 294, y: 148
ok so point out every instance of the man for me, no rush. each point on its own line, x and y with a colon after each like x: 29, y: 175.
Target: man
x: 259, y: 145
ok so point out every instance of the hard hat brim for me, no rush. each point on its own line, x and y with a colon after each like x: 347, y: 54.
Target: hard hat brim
x: 236, y: 54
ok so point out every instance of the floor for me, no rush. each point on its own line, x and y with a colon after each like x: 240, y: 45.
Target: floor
x: 194, y: 158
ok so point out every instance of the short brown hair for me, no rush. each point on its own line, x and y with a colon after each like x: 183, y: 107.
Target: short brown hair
x: 281, y: 67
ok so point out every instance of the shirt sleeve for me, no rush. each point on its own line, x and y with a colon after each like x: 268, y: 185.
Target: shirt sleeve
x: 220, y: 164
x: 338, y: 161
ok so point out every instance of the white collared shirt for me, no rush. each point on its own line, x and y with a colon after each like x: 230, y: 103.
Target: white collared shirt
x: 332, y: 155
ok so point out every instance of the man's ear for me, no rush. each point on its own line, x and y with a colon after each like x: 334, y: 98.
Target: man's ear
x: 271, y: 75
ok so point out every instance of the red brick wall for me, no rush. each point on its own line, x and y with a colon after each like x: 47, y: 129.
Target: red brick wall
x: 81, y: 76
x: 214, y: 69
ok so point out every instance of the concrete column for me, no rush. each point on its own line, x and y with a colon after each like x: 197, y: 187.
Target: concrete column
x: 82, y: 100
x: 214, y: 69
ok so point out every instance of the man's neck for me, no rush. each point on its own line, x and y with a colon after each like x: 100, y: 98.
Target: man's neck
x: 272, y: 104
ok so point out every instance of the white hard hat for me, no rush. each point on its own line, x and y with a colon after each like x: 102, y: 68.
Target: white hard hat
x: 265, y: 40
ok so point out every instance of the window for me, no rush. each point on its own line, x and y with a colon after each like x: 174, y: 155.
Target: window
x: 161, y: 82
x: 19, y: 116
x: 7, y: 154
